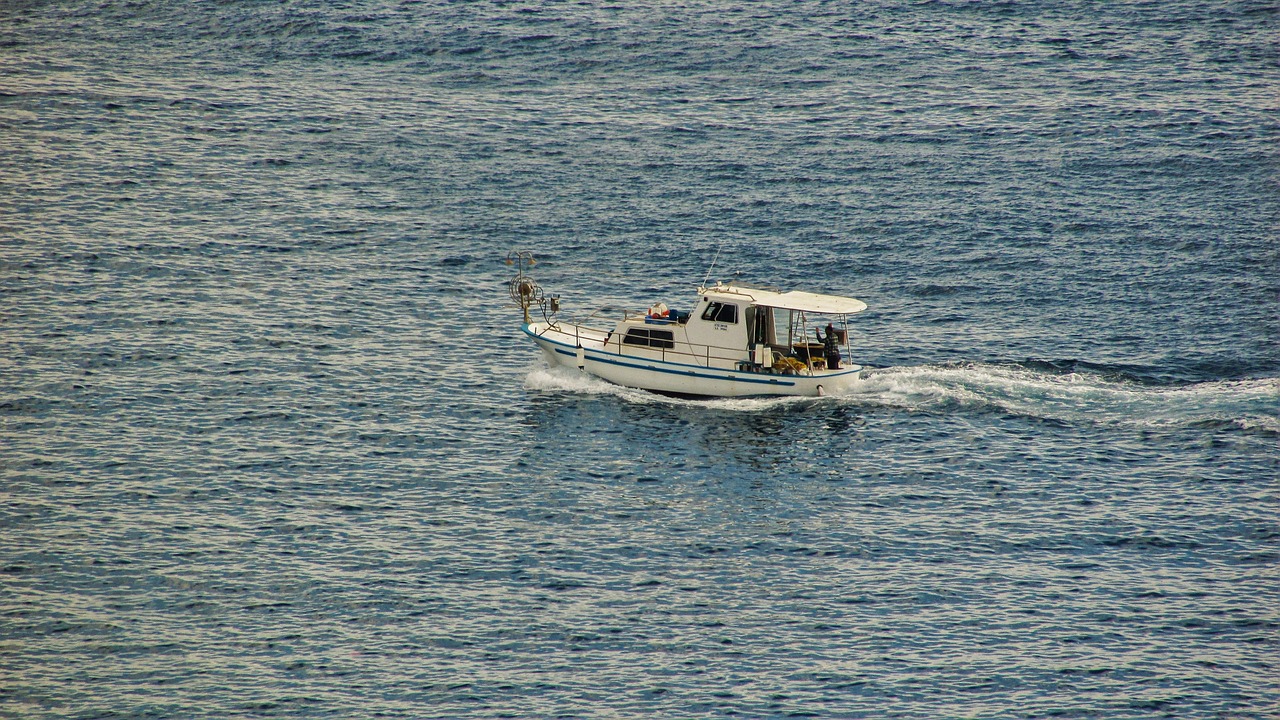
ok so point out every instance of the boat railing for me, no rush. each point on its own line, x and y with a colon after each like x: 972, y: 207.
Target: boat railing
x: 595, y: 320
x: 695, y: 354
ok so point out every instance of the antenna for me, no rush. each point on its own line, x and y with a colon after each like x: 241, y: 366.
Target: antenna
x: 713, y: 264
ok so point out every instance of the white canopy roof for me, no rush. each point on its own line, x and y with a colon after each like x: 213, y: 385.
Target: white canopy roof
x: 793, y: 300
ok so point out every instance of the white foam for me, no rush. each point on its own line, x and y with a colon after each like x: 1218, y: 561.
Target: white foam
x: 569, y: 380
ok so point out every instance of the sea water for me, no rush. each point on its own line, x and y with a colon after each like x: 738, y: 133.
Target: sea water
x: 273, y: 445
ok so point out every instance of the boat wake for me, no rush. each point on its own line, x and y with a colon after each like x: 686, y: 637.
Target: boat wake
x: 1070, y: 398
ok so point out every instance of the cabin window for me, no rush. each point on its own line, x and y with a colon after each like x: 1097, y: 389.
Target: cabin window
x: 645, y: 337
x: 721, y: 312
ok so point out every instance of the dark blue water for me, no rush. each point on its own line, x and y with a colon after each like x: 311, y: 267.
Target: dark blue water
x: 272, y: 444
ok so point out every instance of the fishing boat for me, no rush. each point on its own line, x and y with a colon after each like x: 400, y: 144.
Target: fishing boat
x: 736, y: 340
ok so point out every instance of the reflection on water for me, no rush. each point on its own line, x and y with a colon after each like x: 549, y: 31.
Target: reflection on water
x: 733, y: 438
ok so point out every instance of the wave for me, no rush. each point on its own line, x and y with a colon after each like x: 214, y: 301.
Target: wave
x: 1019, y: 390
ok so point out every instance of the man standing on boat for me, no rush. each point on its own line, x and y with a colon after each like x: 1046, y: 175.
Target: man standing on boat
x: 830, y: 346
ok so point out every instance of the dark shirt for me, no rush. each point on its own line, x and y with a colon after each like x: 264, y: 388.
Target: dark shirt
x: 831, y: 343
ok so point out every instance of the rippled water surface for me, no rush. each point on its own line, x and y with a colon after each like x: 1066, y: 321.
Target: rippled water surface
x: 272, y: 444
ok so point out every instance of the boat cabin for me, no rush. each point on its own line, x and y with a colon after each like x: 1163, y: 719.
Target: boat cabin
x: 738, y: 327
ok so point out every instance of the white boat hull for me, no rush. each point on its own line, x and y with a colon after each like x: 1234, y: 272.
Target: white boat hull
x: 585, y: 350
